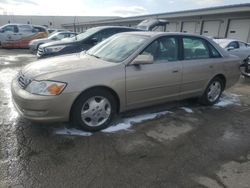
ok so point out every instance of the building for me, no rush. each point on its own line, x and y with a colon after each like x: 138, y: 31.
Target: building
x: 232, y: 21
x: 49, y: 21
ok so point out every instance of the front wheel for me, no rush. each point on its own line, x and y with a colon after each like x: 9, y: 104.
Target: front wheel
x: 213, y: 92
x: 94, y: 110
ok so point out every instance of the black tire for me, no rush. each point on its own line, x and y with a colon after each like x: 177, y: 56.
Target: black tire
x: 205, y: 97
x: 76, y: 118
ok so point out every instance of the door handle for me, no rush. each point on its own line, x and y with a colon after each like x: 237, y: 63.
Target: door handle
x: 175, y: 71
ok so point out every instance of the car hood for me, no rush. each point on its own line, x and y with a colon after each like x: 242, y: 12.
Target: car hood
x: 57, y: 43
x: 69, y: 63
x: 40, y: 40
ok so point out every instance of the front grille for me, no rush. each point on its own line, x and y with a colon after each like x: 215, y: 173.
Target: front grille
x: 22, y: 80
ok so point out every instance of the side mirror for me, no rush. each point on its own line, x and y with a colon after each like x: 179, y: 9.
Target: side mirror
x: 230, y: 48
x: 143, y: 59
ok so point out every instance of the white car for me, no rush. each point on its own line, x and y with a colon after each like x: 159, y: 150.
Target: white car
x: 240, y: 49
x: 19, y: 35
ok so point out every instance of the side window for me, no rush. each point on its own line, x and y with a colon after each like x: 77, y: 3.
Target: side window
x: 163, y: 49
x: 214, y: 52
x: 195, y: 48
x: 10, y: 28
x: 60, y: 36
x: 106, y: 34
x: 25, y: 28
x: 233, y: 45
x: 243, y: 45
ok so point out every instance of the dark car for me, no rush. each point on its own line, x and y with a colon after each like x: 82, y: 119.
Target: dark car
x: 81, y: 42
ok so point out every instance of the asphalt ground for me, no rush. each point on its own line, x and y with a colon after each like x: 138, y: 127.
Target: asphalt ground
x: 180, y: 144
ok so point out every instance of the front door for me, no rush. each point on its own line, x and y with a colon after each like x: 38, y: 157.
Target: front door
x: 159, y: 81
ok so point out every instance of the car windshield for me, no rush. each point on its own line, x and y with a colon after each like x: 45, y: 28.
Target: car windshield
x: 117, y: 48
x: 53, y: 36
x: 86, y: 34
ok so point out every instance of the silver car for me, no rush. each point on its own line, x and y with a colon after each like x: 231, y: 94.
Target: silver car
x: 124, y: 72
x: 240, y: 49
x: 34, y: 44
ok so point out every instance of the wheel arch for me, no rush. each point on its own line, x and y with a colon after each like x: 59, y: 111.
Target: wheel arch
x: 116, y: 96
x: 223, y: 78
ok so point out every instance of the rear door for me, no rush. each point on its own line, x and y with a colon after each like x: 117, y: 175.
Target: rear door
x: 198, y: 65
x: 160, y: 81
x: 25, y: 34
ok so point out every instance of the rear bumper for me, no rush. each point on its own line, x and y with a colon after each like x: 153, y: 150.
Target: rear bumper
x: 42, y: 108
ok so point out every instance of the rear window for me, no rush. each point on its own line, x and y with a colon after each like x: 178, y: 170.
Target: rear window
x: 195, y: 48
x: 25, y: 28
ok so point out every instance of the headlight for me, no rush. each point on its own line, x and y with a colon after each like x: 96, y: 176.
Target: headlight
x: 45, y: 87
x: 54, y: 49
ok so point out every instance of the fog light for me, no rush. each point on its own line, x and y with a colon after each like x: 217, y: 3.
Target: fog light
x: 35, y: 113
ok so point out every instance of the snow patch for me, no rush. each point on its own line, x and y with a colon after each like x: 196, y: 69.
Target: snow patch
x: 228, y: 99
x: 128, y: 122
x: 188, y: 110
x: 125, y: 124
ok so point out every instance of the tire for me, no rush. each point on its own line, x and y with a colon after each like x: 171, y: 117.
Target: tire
x: 213, y: 92
x: 94, y: 110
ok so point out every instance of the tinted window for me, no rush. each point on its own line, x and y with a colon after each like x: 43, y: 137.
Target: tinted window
x: 106, y: 34
x: 41, y: 29
x: 163, y: 49
x: 195, y: 48
x: 233, y: 45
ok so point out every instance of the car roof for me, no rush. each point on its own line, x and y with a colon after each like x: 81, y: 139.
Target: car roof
x: 155, y: 34
x: 110, y: 27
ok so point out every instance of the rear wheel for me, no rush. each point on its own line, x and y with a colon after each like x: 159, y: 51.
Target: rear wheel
x: 94, y: 110
x: 213, y: 92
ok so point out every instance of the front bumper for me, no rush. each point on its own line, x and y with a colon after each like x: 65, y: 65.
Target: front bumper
x: 42, y: 108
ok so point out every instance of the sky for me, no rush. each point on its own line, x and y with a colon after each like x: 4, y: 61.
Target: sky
x: 123, y: 8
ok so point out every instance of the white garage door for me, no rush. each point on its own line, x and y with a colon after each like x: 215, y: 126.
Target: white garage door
x: 211, y: 28
x: 239, y: 29
x: 171, y: 27
x: 189, y: 27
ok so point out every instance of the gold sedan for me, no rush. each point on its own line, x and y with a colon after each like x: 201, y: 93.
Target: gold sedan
x: 124, y: 72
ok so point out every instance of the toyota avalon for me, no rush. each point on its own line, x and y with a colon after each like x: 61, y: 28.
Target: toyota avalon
x: 124, y: 72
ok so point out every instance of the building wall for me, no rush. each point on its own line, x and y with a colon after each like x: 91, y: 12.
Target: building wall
x: 50, y: 21
x: 217, y: 24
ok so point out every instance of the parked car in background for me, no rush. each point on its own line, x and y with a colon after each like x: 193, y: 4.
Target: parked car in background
x: 153, y: 24
x: 126, y: 71
x: 34, y: 44
x: 240, y: 49
x: 52, y: 31
x: 81, y: 42
x: 19, y: 35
